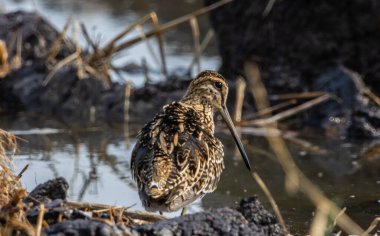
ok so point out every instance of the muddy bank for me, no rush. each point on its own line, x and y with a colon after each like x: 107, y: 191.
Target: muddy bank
x: 63, y: 217
x: 304, y: 46
x: 49, y: 74
x: 67, y: 95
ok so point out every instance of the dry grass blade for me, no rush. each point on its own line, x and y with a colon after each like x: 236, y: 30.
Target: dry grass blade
x: 59, y: 65
x: 197, y: 49
x: 295, y: 180
x: 160, y: 40
x: 165, y: 27
x: 292, y: 111
x: 269, y: 195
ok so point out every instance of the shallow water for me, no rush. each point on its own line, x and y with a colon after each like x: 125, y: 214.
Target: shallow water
x: 95, y: 161
x: 105, y: 19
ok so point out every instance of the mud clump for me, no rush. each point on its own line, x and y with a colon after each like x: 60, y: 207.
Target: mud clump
x: 64, y: 219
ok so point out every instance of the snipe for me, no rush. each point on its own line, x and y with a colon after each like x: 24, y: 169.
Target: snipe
x: 177, y: 158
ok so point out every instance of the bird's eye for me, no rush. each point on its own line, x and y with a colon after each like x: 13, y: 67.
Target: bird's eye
x: 218, y: 85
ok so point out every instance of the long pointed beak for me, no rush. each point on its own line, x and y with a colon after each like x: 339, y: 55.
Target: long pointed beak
x: 226, y: 116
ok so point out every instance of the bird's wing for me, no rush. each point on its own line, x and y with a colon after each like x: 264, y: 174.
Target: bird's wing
x: 173, y: 152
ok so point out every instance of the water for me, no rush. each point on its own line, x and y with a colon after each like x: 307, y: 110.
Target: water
x: 105, y: 19
x: 96, y: 163
x: 96, y: 160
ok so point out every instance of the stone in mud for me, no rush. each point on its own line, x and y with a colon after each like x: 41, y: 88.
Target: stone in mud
x: 48, y: 191
x: 352, y: 113
x: 82, y: 227
x: 250, y: 219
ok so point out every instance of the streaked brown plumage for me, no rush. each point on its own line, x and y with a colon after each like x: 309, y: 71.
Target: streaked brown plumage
x: 177, y: 158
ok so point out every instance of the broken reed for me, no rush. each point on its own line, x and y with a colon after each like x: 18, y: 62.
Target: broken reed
x: 98, y: 62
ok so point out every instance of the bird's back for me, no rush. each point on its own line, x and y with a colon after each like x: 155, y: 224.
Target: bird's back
x: 176, y: 159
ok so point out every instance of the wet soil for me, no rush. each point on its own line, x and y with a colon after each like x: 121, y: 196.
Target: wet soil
x: 250, y: 218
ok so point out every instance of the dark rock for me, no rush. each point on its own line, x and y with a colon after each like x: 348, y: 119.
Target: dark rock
x: 351, y: 113
x: 250, y: 219
x: 81, y: 227
x: 255, y: 213
x: 48, y: 191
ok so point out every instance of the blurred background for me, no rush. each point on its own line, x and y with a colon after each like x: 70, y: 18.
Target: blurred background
x: 95, y: 158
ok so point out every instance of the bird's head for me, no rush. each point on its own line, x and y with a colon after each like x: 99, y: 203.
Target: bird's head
x: 210, y: 87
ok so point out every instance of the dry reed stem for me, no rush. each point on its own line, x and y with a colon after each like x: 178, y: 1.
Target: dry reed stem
x: 239, y: 101
x: 269, y: 110
x: 304, y: 95
x: 78, y: 49
x: 171, y: 24
x: 197, y: 49
x: 127, y: 95
x: 109, y: 48
x: 17, y: 59
x: 40, y: 220
x: 210, y: 33
x: 268, y: 7
x: 149, y: 46
x: 67, y: 60
x: 292, y: 111
x: 19, y: 176
x: 339, y: 214
x: 87, y: 37
x: 240, y: 94
x: 269, y: 195
x: 160, y: 40
x: 372, y: 226
x: 58, y: 41
x: 295, y: 180
x: 319, y: 224
x: 308, y: 146
x: 144, y: 216
x: 363, y: 89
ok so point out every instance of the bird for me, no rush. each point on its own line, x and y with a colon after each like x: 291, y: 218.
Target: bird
x: 176, y: 158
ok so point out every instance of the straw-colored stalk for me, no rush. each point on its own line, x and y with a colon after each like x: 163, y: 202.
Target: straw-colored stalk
x: 294, y: 178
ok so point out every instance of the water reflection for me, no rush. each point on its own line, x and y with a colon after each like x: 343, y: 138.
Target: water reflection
x: 96, y: 162
x: 104, y: 19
